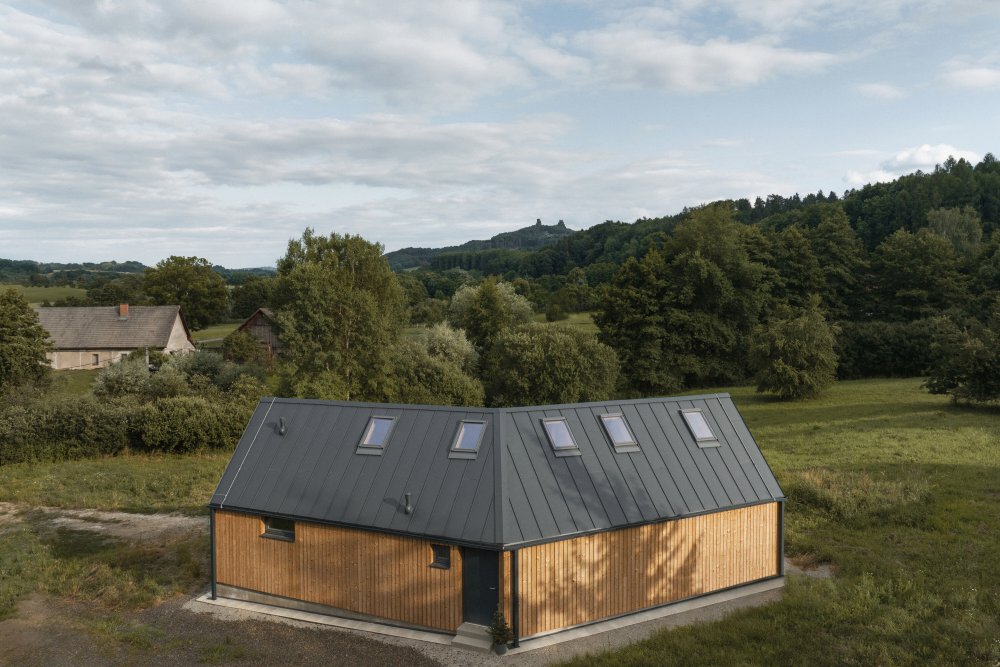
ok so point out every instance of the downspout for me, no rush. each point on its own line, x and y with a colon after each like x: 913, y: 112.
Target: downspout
x: 211, y: 529
x: 514, y: 611
x: 781, y: 538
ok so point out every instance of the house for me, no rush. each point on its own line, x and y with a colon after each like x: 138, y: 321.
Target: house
x: 260, y: 325
x: 93, y: 337
x: 430, y: 517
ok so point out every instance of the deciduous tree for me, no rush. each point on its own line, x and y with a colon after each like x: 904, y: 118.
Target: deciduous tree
x: 793, y: 355
x: 191, y: 283
x: 537, y: 364
x: 339, y: 310
x: 23, y: 342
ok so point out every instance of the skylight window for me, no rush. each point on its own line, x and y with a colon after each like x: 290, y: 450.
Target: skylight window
x: 467, y: 440
x: 376, y: 435
x: 699, y: 428
x: 560, y: 437
x: 619, y: 433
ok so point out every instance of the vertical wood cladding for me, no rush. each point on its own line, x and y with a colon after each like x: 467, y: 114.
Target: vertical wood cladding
x: 360, y: 571
x: 584, y: 579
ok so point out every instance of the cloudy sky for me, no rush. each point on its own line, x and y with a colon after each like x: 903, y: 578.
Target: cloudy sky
x: 139, y: 129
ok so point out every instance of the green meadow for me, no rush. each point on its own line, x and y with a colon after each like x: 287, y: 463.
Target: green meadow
x: 36, y: 295
x: 897, y: 490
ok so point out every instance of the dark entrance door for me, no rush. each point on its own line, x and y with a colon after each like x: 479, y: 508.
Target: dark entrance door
x: 480, y: 585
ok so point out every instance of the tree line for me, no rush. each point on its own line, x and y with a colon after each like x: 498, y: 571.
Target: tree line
x: 788, y: 293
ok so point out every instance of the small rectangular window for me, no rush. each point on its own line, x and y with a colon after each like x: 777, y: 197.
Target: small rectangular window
x: 95, y: 359
x: 619, y: 433
x: 376, y: 435
x: 699, y: 428
x: 560, y: 437
x: 440, y: 556
x: 279, y: 529
x: 467, y: 440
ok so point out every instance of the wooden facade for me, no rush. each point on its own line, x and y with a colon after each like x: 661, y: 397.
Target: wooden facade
x: 364, y: 572
x: 584, y: 579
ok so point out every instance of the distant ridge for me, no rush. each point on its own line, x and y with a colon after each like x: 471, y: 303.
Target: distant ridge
x: 526, y: 238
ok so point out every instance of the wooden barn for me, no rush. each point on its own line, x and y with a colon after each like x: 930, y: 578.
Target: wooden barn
x: 429, y: 517
x: 260, y: 325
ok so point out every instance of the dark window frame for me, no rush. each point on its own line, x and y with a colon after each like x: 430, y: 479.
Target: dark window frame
x: 276, y: 532
x: 573, y: 450
x: 712, y: 440
x: 457, y: 452
x: 631, y: 445
x: 440, y: 557
x: 370, y: 448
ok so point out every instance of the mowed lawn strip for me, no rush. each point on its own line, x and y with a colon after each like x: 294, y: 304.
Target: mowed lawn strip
x: 899, y: 491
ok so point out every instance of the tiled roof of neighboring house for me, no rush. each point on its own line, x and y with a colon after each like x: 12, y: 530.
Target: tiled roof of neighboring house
x: 99, y: 327
x: 673, y: 457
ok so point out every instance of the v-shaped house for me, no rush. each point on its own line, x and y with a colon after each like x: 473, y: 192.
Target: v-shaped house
x: 431, y: 517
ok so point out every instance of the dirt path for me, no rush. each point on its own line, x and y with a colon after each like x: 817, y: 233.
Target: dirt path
x: 50, y: 631
x: 123, y: 525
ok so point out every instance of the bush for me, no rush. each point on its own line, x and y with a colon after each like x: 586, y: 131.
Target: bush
x: 64, y: 430
x: 128, y: 376
x: 185, y: 424
x: 242, y: 348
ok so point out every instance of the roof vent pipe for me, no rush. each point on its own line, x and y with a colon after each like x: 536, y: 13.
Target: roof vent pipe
x: 409, y: 508
x: 282, y: 429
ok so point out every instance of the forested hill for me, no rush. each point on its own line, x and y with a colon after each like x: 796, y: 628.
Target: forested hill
x: 23, y: 271
x: 874, y: 212
x: 527, y: 238
x: 84, y: 274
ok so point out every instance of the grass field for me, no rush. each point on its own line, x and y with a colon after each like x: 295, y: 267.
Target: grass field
x: 136, y: 483
x: 72, y: 383
x: 36, y: 295
x: 216, y: 331
x: 898, y: 490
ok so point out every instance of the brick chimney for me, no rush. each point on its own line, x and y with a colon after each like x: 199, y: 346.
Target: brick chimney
x: 123, y: 311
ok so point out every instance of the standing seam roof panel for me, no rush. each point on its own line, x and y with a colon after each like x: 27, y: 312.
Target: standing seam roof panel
x: 314, y: 473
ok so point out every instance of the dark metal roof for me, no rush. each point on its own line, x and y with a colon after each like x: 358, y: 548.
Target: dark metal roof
x: 516, y: 491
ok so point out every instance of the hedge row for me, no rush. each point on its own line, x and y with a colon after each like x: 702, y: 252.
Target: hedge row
x: 83, y: 427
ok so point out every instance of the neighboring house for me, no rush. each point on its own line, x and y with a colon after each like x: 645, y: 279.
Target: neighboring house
x: 432, y: 516
x: 95, y: 336
x: 260, y: 325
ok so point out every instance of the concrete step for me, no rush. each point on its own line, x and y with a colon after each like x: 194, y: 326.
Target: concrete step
x: 473, y: 637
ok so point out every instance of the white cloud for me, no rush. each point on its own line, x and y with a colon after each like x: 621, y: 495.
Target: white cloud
x: 637, y: 57
x: 924, y: 158
x: 882, y: 91
x: 975, y: 78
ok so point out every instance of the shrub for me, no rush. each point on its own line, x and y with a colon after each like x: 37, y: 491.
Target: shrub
x: 128, y: 376
x: 182, y: 424
x: 242, y: 348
